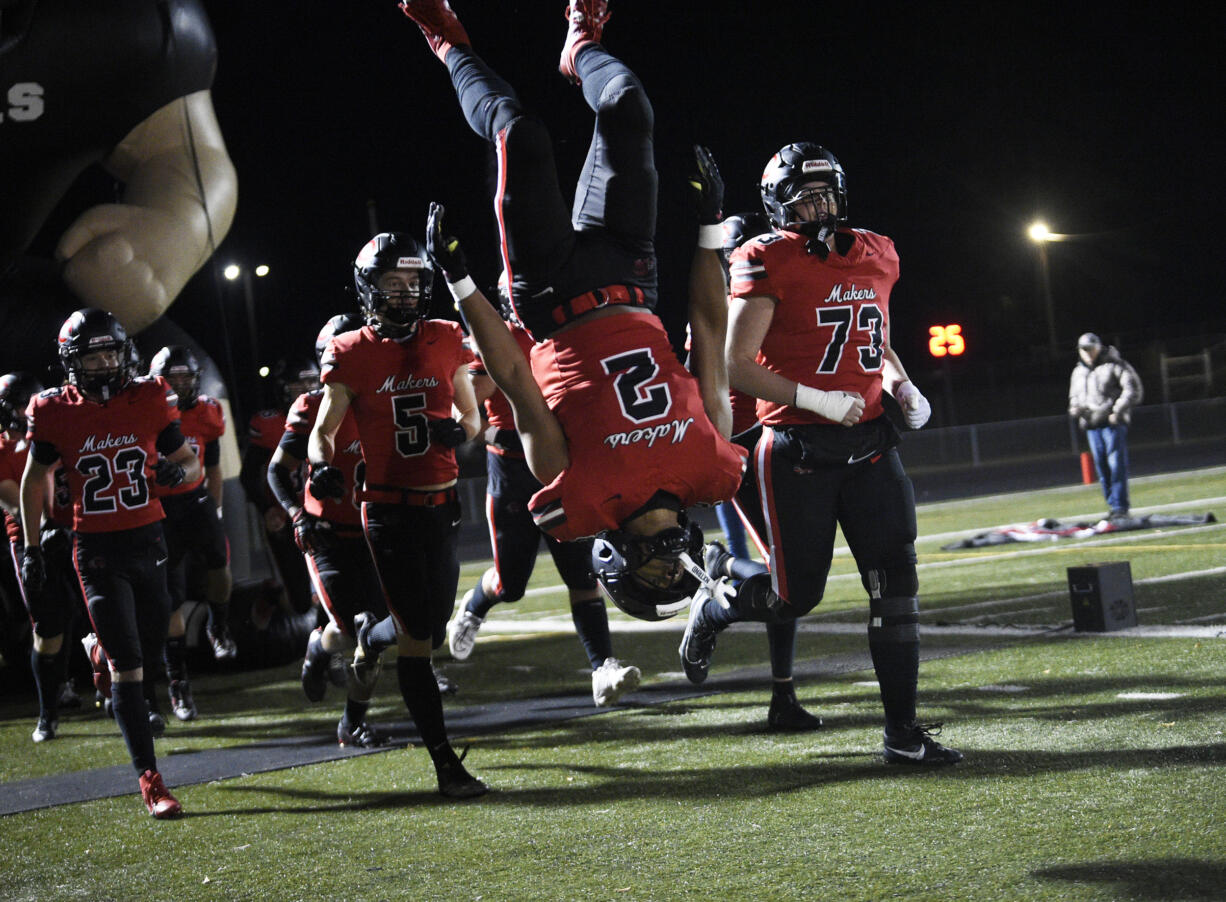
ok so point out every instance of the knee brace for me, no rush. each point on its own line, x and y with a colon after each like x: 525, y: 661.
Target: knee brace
x: 893, y: 619
x: 891, y: 581
x: 625, y: 106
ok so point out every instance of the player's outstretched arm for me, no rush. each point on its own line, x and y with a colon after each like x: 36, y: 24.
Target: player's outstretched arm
x: 708, y: 293
x: 133, y: 258
x: 544, y: 442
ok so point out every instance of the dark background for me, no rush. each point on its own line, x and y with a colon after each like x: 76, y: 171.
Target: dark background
x: 957, y: 125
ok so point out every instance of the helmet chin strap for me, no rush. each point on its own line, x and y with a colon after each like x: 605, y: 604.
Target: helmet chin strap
x: 720, y: 589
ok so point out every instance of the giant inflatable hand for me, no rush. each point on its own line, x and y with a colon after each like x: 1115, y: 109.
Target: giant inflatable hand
x: 135, y: 257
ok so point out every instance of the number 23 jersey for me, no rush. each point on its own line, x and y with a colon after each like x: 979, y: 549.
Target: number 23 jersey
x: 108, y: 450
x: 832, y: 317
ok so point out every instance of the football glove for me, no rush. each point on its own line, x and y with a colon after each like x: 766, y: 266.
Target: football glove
x: 708, y: 187
x: 167, y: 473
x: 33, y: 570
x: 448, y: 433
x: 327, y: 481
x: 915, y: 407
x: 311, y: 533
x: 444, y: 250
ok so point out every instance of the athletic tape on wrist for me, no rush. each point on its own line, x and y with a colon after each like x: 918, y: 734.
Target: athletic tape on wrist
x: 711, y: 237
x: 462, y: 288
x: 833, y: 405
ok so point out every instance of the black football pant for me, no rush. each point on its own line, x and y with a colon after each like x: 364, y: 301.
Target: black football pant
x: 123, y: 576
x: 345, y: 580
x: 550, y: 253
x: 805, y: 502
x: 192, y: 525
x: 415, y: 550
x: 515, y: 537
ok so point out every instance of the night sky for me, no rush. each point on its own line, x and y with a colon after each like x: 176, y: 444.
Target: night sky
x: 957, y: 125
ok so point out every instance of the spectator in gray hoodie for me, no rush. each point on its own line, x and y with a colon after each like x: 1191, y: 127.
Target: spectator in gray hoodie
x: 1101, y: 394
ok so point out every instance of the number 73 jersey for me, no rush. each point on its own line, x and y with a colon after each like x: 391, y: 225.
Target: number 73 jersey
x: 832, y: 317
x: 108, y: 450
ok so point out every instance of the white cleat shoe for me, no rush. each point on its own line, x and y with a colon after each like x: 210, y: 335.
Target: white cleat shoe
x: 462, y: 633
x: 613, y: 679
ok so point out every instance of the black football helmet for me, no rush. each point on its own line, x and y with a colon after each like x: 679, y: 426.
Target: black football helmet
x: 617, y: 556
x: 337, y: 325
x: 394, y: 314
x: 87, y: 331
x: 178, y: 366
x: 295, y: 376
x: 738, y: 229
x: 16, y: 390
x: 788, y: 170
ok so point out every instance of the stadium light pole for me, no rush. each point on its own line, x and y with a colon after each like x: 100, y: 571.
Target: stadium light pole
x: 248, y: 274
x: 1041, y: 235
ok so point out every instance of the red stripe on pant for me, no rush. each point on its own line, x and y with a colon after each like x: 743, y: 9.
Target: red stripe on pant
x: 766, y: 490
x: 387, y: 601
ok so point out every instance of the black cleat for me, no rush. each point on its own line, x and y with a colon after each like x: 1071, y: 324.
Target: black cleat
x: 45, y: 730
x: 715, y: 560
x: 157, y: 724
x: 915, y: 746
x: 455, y: 782
x: 787, y: 715
x: 366, y: 660
x: 315, y: 665
x: 362, y: 736
x: 181, y: 701
x: 697, y: 644
x: 446, y: 685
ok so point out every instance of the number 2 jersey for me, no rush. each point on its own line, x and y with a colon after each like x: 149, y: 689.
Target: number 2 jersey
x: 832, y: 317
x: 108, y: 449
x: 634, y: 425
x: 399, y: 387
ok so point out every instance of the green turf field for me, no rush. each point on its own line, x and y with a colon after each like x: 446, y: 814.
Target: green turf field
x: 1093, y: 764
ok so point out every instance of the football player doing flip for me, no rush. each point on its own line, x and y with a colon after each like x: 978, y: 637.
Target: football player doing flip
x: 618, y: 433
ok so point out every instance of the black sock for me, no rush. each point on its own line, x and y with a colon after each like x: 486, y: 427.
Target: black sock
x: 176, y: 662
x: 744, y: 568
x: 421, y: 697
x: 781, y: 637
x: 355, y: 713
x: 218, y: 614
x: 132, y: 715
x: 897, y: 668
x: 592, y: 624
x: 382, y: 635
x: 149, y: 690
x: 479, y: 605
x: 46, y: 681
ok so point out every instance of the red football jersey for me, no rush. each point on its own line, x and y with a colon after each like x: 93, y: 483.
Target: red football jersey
x: 265, y: 427
x: 832, y: 317
x: 200, y: 424
x: 348, y: 455
x: 497, y: 407
x: 108, y: 450
x: 12, y: 465
x: 634, y: 425
x: 399, y: 387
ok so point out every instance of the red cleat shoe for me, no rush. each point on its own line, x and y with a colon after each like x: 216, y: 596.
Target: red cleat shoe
x: 157, y: 797
x: 438, y: 23
x: 587, y: 18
